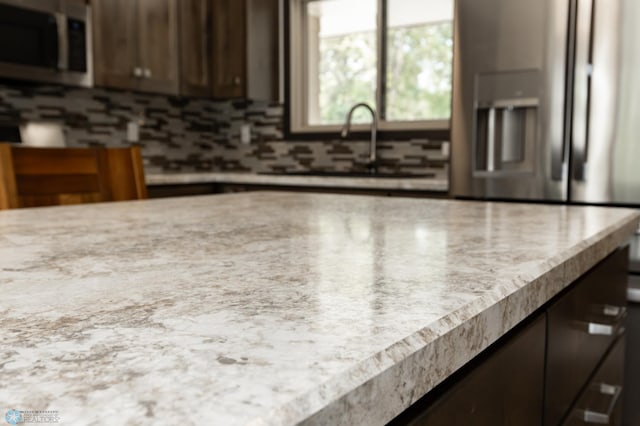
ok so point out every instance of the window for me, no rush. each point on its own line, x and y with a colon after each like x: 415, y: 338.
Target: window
x: 392, y: 54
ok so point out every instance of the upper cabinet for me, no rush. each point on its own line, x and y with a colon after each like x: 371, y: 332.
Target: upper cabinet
x: 158, y: 46
x: 210, y: 48
x: 229, y: 50
x: 115, y: 50
x: 195, y: 47
x: 136, y: 45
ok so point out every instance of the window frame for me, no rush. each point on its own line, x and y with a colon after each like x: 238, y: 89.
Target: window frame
x: 296, y: 90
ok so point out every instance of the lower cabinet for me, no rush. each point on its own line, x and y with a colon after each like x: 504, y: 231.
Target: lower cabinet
x: 601, y: 400
x: 504, y: 389
x: 582, y: 325
x: 564, y: 367
x: 177, y: 190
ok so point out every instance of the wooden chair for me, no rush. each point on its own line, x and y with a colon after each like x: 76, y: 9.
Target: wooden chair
x: 31, y: 177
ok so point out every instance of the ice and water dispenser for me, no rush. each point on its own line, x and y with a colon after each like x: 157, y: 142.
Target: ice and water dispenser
x: 506, y: 122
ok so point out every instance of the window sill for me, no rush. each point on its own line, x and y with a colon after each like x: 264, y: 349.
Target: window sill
x: 383, y: 135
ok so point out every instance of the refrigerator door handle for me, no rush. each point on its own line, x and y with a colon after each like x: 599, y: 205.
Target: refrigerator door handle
x: 582, y: 89
x: 491, y: 141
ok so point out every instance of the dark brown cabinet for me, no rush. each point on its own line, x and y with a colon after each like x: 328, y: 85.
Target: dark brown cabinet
x: 158, y: 46
x: 245, y: 49
x: 115, y: 50
x: 583, y: 324
x: 136, y: 45
x: 210, y: 48
x: 195, y: 47
x: 229, y: 51
x: 504, y: 389
x: 601, y: 400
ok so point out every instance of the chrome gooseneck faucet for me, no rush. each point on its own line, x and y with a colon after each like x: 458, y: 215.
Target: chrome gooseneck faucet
x: 374, y: 130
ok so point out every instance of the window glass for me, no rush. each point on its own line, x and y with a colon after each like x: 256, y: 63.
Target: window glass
x: 418, y: 63
x: 341, y: 59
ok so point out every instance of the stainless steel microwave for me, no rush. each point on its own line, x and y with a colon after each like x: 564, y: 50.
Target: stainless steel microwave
x: 47, y: 41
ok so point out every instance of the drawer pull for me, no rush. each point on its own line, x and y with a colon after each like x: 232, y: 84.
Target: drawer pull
x: 609, y: 328
x: 613, y: 311
x: 603, y: 390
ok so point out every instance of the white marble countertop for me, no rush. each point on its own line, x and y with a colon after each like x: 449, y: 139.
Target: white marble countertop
x: 406, y: 184
x: 271, y: 308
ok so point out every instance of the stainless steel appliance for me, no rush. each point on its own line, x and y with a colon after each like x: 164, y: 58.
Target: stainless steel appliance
x: 546, y: 100
x: 46, y: 40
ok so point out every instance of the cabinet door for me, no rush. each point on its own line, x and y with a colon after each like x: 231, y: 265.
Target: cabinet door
x: 262, y: 48
x: 582, y: 325
x: 229, y: 48
x: 115, y: 43
x: 195, y: 47
x: 505, y: 388
x: 601, y: 400
x: 158, y: 46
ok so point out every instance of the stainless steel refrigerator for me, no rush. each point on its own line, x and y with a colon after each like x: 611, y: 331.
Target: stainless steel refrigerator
x: 546, y: 103
x: 546, y: 100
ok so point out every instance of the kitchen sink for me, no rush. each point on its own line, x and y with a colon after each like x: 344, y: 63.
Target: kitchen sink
x: 351, y: 174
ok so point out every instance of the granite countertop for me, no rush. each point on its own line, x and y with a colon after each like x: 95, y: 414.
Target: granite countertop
x: 271, y: 308
x: 407, y: 184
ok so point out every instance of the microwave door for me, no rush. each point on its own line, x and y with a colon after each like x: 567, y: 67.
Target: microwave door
x: 28, y: 38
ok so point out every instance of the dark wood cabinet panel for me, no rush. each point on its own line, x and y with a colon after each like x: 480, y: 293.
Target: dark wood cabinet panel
x: 195, y: 47
x: 136, y: 45
x: 504, y: 389
x: 582, y: 325
x: 211, y: 48
x: 245, y: 49
x: 602, y: 397
x: 115, y: 43
x: 158, y: 45
x: 229, y: 50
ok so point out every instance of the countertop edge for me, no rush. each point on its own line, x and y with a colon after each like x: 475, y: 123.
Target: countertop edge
x: 412, y: 184
x: 397, y: 369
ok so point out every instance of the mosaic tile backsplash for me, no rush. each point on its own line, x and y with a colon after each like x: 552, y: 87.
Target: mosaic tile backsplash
x: 179, y: 134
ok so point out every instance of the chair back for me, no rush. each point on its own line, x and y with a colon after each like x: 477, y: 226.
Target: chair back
x: 32, y: 177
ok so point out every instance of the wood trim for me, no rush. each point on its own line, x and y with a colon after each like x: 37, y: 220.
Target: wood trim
x: 8, y: 188
x: 138, y: 172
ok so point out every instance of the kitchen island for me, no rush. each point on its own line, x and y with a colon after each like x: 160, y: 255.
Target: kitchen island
x: 272, y: 308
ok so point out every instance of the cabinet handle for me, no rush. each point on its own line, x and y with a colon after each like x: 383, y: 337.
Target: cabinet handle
x: 606, y: 328
x: 613, y: 311
x: 137, y: 72
x: 237, y: 80
x: 147, y: 73
x: 602, y: 390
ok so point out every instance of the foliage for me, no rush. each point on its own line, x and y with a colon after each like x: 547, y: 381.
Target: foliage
x: 347, y: 76
x: 418, y: 74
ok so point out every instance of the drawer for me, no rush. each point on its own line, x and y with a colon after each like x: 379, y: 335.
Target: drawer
x: 582, y: 325
x: 601, y: 401
x: 492, y: 392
